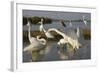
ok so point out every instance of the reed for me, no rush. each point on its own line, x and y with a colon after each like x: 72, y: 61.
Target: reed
x: 86, y: 34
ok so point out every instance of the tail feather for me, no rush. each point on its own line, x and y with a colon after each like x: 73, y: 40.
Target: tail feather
x: 28, y: 48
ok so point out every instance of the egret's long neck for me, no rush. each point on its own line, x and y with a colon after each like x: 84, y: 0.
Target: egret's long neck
x: 43, y: 41
x: 43, y: 27
x: 29, y: 33
x: 84, y: 20
x: 78, y: 32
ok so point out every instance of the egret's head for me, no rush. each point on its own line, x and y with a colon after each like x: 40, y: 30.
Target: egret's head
x: 28, y: 23
x: 41, y: 19
x: 40, y: 22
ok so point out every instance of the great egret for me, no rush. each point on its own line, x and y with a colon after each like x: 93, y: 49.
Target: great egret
x: 85, y: 22
x: 66, y: 39
x: 47, y: 33
x: 35, y: 43
x: 38, y: 44
x: 71, y: 28
x: 78, y: 32
x: 70, y: 23
x: 41, y: 26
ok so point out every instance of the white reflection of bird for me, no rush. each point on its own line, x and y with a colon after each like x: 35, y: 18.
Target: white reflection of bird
x: 85, y: 22
x: 66, y: 39
x: 35, y: 43
x: 47, y: 33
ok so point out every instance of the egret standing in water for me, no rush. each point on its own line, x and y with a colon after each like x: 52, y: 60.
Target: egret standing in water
x: 78, y: 32
x: 70, y: 23
x: 35, y: 43
x: 67, y: 44
x: 84, y: 20
x: 47, y: 33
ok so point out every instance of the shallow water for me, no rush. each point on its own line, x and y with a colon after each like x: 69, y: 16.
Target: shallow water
x: 57, y: 25
x: 51, y: 52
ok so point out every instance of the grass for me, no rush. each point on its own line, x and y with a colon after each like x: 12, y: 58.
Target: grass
x: 86, y: 34
x: 35, y: 19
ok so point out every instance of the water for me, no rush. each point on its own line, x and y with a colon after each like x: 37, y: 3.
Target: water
x: 56, y: 24
x: 52, y: 52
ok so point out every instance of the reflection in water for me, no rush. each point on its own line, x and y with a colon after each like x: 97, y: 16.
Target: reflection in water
x: 65, y: 51
x: 53, y: 52
x: 37, y: 55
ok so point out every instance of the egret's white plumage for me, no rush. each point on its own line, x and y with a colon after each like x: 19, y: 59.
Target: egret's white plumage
x: 78, y: 32
x: 66, y: 39
x: 70, y: 23
x: 38, y: 45
x: 35, y: 43
x: 85, y: 22
x: 62, y: 41
x: 41, y: 26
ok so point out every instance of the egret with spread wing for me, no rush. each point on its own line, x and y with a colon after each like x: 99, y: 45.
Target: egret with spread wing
x: 66, y: 39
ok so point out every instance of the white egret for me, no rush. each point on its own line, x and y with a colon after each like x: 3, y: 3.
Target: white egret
x: 66, y: 39
x: 78, y: 32
x: 71, y: 29
x: 35, y: 43
x: 85, y: 22
x: 38, y: 44
x: 47, y: 33
x: 70, y: 23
